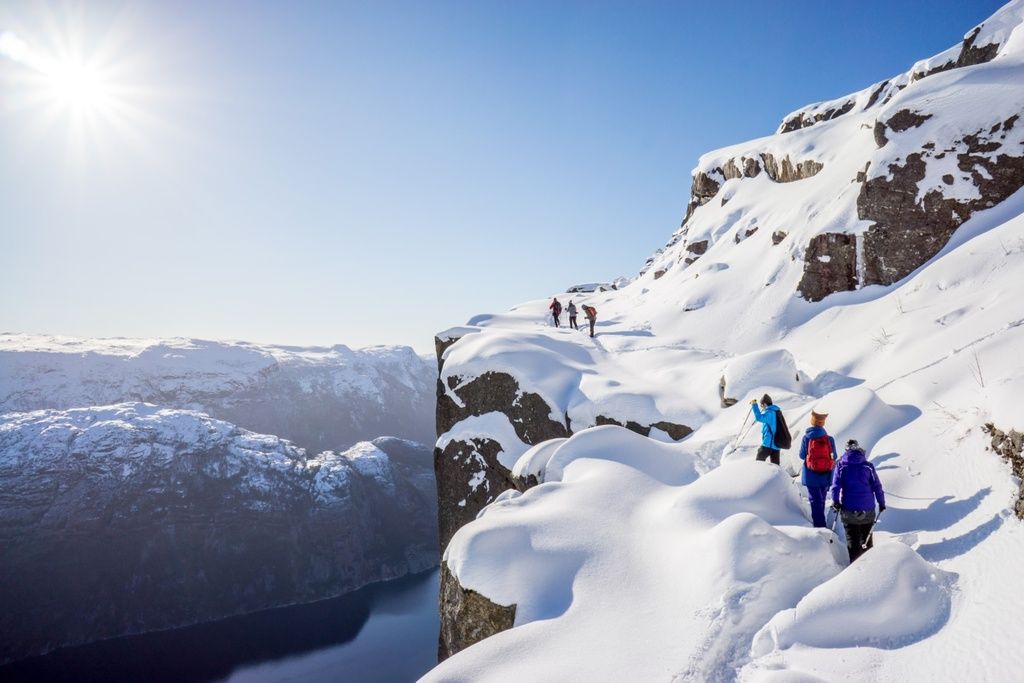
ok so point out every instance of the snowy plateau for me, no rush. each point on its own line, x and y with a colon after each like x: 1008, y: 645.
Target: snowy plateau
x: 150, y: 484
x: 603, y: 520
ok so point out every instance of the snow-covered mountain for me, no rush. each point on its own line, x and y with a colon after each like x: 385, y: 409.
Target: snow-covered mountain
x: 864, y: 261
x: 132, y: 517
x: 319, y: 398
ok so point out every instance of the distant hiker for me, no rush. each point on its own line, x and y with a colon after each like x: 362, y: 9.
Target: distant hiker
x: 855, y: 488
x: 571, y: 310
x: 591, y: 314
x: 556, y: 310
x: 767, y: 414
x: 818, y: 451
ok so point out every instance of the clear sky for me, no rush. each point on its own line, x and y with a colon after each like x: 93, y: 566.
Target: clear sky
x: 372, y: 172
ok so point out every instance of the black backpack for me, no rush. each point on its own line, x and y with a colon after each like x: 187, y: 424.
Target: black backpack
x: 782, y: 438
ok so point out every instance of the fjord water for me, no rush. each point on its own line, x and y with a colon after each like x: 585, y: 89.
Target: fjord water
x: 383, y: 633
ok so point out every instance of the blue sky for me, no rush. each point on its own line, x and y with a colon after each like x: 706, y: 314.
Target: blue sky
x: 372, y: 172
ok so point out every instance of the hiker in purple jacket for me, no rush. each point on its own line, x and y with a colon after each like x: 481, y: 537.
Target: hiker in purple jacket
x: 855, y: 488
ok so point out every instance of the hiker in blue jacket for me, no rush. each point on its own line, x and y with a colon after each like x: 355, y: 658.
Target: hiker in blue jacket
x: 855, y: 488
x: 818, y: 452
x: 767, y: 415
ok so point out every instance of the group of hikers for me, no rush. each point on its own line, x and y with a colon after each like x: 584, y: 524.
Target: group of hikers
x: 850, y: 481
x: 556, y: 313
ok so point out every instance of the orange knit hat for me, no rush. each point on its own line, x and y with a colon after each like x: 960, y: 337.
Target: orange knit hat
x: 818, y: 419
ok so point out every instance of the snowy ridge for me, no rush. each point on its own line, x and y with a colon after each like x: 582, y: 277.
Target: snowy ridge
x: 632, y: 559
x: 319, y: 397
x: 189, y: 505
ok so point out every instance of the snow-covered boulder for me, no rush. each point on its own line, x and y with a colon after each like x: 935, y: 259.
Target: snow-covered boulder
x: 888, y: 599
x: 130, y: 518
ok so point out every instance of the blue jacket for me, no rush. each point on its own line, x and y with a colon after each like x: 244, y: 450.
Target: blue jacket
x: 809, y: 477
x: 855, y: 483
x: 767, y: 420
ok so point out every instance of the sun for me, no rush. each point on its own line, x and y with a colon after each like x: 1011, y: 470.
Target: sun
x: 91, y: 92
x: 76, y: 86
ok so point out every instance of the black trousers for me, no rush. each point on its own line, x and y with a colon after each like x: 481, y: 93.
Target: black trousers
x: 572, y: 322
x: 764, y: 453
x: 591, y: 321
x: 857, y: 525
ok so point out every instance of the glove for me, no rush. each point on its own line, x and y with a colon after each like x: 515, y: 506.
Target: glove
x: 881, y: 509
x: 753, y: 401
x: 837, y: 506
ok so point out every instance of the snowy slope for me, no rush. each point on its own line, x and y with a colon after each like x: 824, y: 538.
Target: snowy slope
x: 638, y: 560
x: 128, y: 518
x: 317, y: 397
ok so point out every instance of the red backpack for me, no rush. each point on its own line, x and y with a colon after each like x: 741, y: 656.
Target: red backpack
x: 819, y: 454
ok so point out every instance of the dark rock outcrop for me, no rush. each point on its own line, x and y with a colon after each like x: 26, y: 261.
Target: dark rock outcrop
x: 676, y: 431
x: 907, y: 233
x: 469, y: 476
x: 468, y: 473
x: 1010, y: 446
x: 467, y: 617
x: 778, y: 236
x: 785, y: 171
x: 830, y: 265
x: 805, y: 119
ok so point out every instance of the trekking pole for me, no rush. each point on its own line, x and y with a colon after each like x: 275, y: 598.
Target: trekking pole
x: 742, y: 433
x: 835, y: 519
x: 871, y: 531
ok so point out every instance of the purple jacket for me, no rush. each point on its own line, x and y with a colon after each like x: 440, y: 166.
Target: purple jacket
x: 855, y: 483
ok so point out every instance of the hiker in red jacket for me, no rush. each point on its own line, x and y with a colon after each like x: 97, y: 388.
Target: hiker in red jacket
x: 818, y: 451
x: 556, y: 310
x: 591, y: 314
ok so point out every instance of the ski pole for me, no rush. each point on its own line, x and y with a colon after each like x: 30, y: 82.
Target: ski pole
x: 871, y: 531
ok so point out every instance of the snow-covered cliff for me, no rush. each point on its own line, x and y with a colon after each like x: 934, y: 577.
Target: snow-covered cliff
x: 319, y: 398
x: 864, y: 261
x: 132, y: 517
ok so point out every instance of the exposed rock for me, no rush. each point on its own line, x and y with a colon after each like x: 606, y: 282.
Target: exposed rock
x: 876, y: 94
x: 1010, y: 446
x: 786, y: 171
x: 778, y: 236
x: 697, y: 248
x: 971, y: 54
x: 130, y: 518
x: 676, y: 431
x: 467, y: 617
x: 881, y: 140
x: 725, y: 401
x: 468, y: 474
x: 658, y: 274
x: 905, y: 119
x: 744, y: 234
x: 830, y: 265
x: 498, y: 392
x: 907, y: 233
x: 805, y: 119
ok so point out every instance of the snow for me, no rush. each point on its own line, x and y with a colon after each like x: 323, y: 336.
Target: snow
x: 635, y: 559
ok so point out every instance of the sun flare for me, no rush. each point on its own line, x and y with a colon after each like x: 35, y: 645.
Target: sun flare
x: 77, y: 86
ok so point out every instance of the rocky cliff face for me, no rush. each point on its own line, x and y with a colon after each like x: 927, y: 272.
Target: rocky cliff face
x: 946, y: 145
x: 129, y: 518
x: 318, y: 398
x: 467, y: 617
